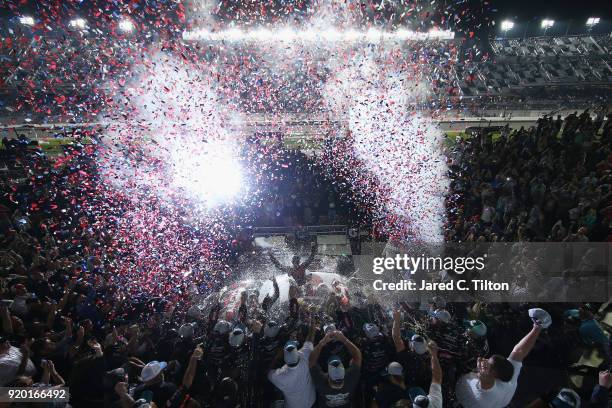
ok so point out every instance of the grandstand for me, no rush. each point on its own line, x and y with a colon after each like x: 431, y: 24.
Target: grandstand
x: 518, y: 64
x: 521, y: 78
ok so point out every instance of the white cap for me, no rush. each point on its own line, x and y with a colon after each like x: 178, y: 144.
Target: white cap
x: 236, y: 337
x: 152, y: 370
x: 291, y: 353
x: 335, y: 369
x: 442, y: 315
x: 418, y: 344
x: 540, y: 317
x: 566, y: 398
x: 395, y: 368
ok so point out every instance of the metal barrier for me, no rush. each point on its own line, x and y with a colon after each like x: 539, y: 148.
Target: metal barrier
x: 312, y: 229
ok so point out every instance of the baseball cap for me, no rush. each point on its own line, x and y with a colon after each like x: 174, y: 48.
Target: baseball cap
x: 442, y: 315
x: 152, y: 370
x: 271, y: 329
x: 236, y: 337
x: 329, y: 327
x: 291, y: 353
x: 335, y: 369
x: 477, y: 327
x: 540, y: 317
x: 418, y: 397
x: 418, y: 344
x: 567, y: 398
x: 222, y: 327
x: 186, y: 330
x: 395, y: 368
x: 572, y: 314
x: 371, y: 330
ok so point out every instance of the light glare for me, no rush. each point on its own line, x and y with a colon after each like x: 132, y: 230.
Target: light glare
x: 262, y: 34
x: 546, y: 23
x: 26, y: 20
x: 373, y: 34
x: 126, y: 25
x: 507, y: 25
x: 592, y: 21
x: 234, y: 34
x: 330, y: 35
x: 212, y: 176
x: 79, y: 23
x: 351, y: 35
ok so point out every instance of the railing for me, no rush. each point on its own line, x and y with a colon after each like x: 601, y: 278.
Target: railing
x: 313, y: 229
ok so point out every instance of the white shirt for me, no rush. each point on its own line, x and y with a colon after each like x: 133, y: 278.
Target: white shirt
x: 9, y: 364
x: 435, y: 396
x: 295, y: 382
x: 471, y: 395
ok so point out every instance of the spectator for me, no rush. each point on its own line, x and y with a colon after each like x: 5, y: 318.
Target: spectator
x: 293, y: 378
x: 14, y: 362
x: 337, y: 387
x: 599, y: 397
x: 494, y: 384
x: 152, y: 380
x: 297, y: 270
x: 394, y: 389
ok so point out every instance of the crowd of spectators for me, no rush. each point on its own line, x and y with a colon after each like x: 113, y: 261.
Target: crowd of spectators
x: 62, y: 324
x: 546, y: 183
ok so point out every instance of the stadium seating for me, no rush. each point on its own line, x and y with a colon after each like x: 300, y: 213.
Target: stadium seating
x: 538, y: 62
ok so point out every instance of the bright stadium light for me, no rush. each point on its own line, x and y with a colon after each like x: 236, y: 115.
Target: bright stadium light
x: 507, y: 25
x: 373, y: 34
x: 235, y: 34
x: 331, y: 35
x: 126, y: 25
x: 264, y: 34
x: 79, y: 23
x: 212, y: 175
x: 351, y: 35
x: 592, y: 21
x: 27, y: 20
x: 546, y: 23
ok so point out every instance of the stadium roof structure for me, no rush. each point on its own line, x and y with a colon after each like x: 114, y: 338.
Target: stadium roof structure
x: 287, y: 34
